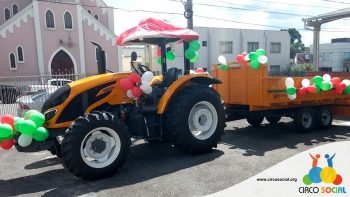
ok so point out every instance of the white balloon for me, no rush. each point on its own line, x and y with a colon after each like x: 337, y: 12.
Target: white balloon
x: 145, y: 85
x: 292, y: 97
x: 289, y: 82
x: 305, y: 83
x: 25, y: 140
x: 246, y: 58
x: 222, y: 59
x: 147, y: 76
x: 129, y: 94
x: 148, y: 91
x: 262, y: 59
x: 326, y: 77
x: 346, y: 82
x: 191, y: 71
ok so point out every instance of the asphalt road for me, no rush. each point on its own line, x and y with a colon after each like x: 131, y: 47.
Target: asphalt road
x: 161, y: 170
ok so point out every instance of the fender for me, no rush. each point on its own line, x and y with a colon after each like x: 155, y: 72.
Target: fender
x: 200, y: 78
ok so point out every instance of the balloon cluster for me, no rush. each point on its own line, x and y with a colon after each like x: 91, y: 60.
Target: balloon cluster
x: 191, y: 53
x: 135, y: 85
x: 223, y: 63
x: 256, y: 58
x: 291, y: 90
x: 169, y: 55
x: 29, y: 127
x: 198, y: 70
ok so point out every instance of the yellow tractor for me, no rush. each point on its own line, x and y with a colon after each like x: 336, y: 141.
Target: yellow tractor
x: 91, y: 121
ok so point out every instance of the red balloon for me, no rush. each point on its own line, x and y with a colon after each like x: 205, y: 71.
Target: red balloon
x: 136, y: 91
x: 8, y: 119
x: 199, y: 70
x: 240, y: 58
x: 134, y: 78
x: 340, y: 88
x: 7, y: 144
x: 159, y: 52
x: 335, y: 81
x: 126, y: 84
x: 302, y: 91
x: 244, y: 54
x: 338, y: 180
x: 312, y: 89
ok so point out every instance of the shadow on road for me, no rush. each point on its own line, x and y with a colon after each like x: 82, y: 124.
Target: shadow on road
x: 145, y: 162
x: 43, y: 163
x: 258, y: 141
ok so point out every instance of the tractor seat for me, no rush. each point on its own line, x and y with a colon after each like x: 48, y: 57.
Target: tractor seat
x: 170, y: 76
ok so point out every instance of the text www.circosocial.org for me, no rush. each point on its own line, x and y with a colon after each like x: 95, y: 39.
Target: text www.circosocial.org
x: 277, y: 179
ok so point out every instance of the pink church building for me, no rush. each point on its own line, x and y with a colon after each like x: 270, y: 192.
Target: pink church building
x: 54, y: 36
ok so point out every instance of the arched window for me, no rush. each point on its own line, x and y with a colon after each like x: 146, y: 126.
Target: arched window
x: 89, y: 11
x: 12, y: 62
x: 50, y: 20
x: 14, y: 9
x: 7, y: 14
x: 68, y: 23
x: 20, y: 55
x: 96, y: 16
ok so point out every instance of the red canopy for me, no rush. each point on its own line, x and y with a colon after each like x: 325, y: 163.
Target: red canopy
x: 153, y: 31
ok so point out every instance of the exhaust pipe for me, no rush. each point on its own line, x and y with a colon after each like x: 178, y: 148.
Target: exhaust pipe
x: 101, y: 59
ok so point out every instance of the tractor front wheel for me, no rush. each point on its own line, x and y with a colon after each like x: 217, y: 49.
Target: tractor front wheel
x: 95, y: 146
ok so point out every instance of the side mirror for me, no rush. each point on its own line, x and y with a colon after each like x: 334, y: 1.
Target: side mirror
x: 133, y: 56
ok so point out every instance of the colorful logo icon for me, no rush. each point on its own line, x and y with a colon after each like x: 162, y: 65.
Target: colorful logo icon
x: 326, y: 175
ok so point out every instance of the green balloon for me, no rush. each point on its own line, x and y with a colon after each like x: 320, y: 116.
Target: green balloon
x: 10, y: 137
x: 18, y: 125
x: 307, y: 180
x: 255, y: 64
x: 37, y: 118
x: 347, y: 90
x: 6, y: 131
x: 223, y: 67
x: 27, y: 127
x: 291, y: 90
x: 159, y: 60
x: 190, y: 54
x: 41, y: 134
x: 170, y: 55
x: 195, y: 45
x: 29, y: 112
x: 253, y: 56
x: 318, y: 88
x: 195, y: 59
x: 260, y: 52
x: 317, y: 80
x: 325, y: 86
x: 18, y: 119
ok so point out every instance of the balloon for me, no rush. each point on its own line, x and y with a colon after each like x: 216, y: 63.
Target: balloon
x: 292, y: 97
x: 224, y: 67
x: 312, y: 89
x: 195, y: 59
x: 190, y: 53
x: 326, y: 77
x: 29, y: 112
x: 159, y: 52
x: 159, y: 60
x: 17, y: 124
x: 246, y: 58
x: 338, y: 180
x: 255, y: 64
x: 328, y: 175
x: 260, y: 52
x: 41, y: 134
x: 240, y: 58
x: 129, y: 94
x: 147, y: 76
x: 326, y: 85
x: 148, y: 91
x: 6, y: 131
x: 18, y: 119
x: 346, y: 81
x: 262, y: 59
x: 302, y: 91
x: 199, y: 70
x: 347, y: 90
x: 291, y: 90
x: 170, y: 55
x: 126, y: 84
x: 37, y: 118
x: 145, y: 85
x: 336, y: 81
x: 222, y: 59
x: 317, y: 80
x: 340, y: 88
x: 27, y: 127
x: 191, y: 71
x: 195, y: 45
x: 305, y: 83
x: 318, y: 88
x: 7, y: 144
x: 306, y: 180
x: 244, y: 54
x: 289, y: 82
x: 136, y: 91
x: 253, y: 56
x: 134, y: 78
x: 25, y: 140
x: 8, y: 119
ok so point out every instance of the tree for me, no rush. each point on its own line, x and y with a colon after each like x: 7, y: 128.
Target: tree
x: 296, y: 45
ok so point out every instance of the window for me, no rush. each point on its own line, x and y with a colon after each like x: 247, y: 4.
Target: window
x: 20, y: 54
x: 252, y: 46
x: 7, y: 14
x: 12, y: 62
x: 327, y: 56
x: 68, y: 23
x: 96, y: 16
x: 327, y: 69
x: 275, y: 68
x: 14, y: 9
x: 346, y: 56
x: 50, y: 20
x: 89, y: 11
x: 275, y: 47
x: 226, y: 47
x: 204, y: 43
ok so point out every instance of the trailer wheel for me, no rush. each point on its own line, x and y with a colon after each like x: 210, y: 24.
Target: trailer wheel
x: 95, y: 146
x: 273, y: 119
x: 304, y: 120
x: 255, y: 120
x: 323, y: 118
x: 195, y: 119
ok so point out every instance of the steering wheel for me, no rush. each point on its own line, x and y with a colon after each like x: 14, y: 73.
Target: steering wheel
x: 143, y: 68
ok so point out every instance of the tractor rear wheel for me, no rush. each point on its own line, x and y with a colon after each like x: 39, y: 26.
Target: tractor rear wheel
x: 195, y: 119
x: 95, y: 146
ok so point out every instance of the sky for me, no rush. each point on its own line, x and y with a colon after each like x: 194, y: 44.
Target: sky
x: 240, y: 14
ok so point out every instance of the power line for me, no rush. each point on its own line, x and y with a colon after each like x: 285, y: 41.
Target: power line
x: 342, y: 2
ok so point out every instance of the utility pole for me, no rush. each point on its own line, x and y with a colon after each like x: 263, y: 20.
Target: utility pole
x: 189, y: 16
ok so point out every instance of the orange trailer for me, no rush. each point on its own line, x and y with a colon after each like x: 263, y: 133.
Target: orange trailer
x: 252, y: 94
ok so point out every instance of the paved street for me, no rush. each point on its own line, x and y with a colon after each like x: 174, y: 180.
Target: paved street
x: 160, y: 170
